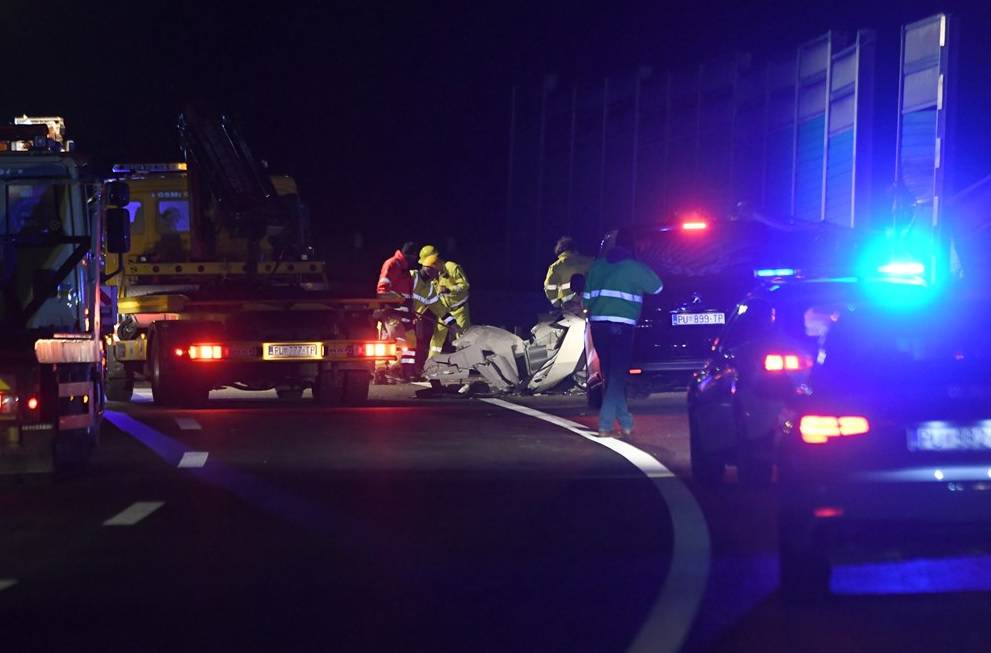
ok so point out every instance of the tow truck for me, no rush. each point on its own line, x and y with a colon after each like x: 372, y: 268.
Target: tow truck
x: 54, y: 213
x: 222, y: 288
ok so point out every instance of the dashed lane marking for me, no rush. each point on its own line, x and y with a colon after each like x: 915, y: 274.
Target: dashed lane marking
x: 7, y: 583
x: 193, y: 459
x: 188, y: 424
x: 671, y: 616
x: 134, y: 513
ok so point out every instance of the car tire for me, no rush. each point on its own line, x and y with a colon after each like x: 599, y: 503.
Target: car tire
x: 802, y: 557
x: 754, y: 456
x: 707, y: 466
x: 593, y: 396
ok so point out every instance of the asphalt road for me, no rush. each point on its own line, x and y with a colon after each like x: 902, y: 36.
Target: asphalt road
x: 431, y: 525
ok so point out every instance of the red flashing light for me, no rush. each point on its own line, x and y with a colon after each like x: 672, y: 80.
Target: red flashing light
x: 33, y: 403
x: 380, y: 349
x: 694, y: 225
x: 180, y: 352
x: 827, y: 512
x: 206, y: 352
x: 636, y: 371
x: 786, y: 363
x: 818, y: 429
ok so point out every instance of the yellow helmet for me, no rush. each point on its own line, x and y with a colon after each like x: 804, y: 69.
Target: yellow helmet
x: 426, y: 252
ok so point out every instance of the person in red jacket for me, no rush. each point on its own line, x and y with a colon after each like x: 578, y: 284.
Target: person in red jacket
x: 395, y: 281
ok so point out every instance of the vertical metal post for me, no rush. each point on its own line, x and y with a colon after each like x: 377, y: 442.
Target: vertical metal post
x: 507, y: 235
x: 825, y: 131
x: 571, y: 154
x: 642, y: 73
x: 765, y: 134
x: 602, y: 162
x: 666, y: 165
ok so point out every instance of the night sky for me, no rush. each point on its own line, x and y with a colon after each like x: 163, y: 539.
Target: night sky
x: 392, y: 116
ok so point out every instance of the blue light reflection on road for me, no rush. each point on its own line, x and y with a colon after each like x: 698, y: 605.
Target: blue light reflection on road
x: 918, y: 576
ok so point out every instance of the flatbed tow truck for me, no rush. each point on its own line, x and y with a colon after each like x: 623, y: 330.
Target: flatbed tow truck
x: 53, y: 218
x: 222, y: 289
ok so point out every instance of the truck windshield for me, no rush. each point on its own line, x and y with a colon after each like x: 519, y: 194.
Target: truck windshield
x: 37, y: 207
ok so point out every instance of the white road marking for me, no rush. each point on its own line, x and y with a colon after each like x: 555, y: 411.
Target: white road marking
x: 672, y: 614
x: 6, y: 583
x: 188, y: 424
x: 193, y: 459
x: 134, y: 513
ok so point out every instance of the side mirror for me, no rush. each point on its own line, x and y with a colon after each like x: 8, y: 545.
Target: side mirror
x: 118, y: 193
x: 118, y: 230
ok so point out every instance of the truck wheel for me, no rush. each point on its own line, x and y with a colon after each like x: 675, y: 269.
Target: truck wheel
x: 168, y: 388
x: 289, y: 394
x: 120, y: 389
x: 329, y: 388
x: 707, y: 465
x: 802, y: 557
x: 356, y: 384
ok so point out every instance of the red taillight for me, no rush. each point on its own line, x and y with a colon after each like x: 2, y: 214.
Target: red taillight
x: 33, y: 403
x: 694, y: 225
x: 827, y: 512
x: 817, y: 429
x: 206, y: 352
x: 380, y: 349
x: 786, y: 362
x: 180, y: 352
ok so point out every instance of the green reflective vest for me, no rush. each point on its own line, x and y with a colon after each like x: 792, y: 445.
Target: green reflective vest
x: 614, y: 291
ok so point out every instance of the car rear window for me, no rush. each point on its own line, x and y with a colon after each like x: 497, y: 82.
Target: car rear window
x: 898, y: 352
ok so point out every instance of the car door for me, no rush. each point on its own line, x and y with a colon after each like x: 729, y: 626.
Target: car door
x: 716, y: 386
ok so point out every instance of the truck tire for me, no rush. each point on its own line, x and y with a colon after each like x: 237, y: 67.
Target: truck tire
x: 329, y: 388
x: 289, y: 394
x: 168, y: 387
x: 120, y: 389
x: 356, y: 384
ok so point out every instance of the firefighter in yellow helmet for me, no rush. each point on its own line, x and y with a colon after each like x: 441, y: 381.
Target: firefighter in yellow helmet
x: 452, y: 288
x: 557, y: 283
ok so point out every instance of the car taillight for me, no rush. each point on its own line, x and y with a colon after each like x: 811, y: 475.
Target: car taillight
x: 380, y: 349
x: 33, y: 403
x: 205, y: 352
x: 786, y: 362
x: 818, y: 429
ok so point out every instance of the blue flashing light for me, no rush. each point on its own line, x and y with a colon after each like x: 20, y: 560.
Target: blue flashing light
x: 770, y: 273
x: 903, y: 269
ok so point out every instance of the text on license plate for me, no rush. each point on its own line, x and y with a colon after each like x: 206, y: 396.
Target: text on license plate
x: 293, y: 351
x: 693, y: 319
x: 942, y: 436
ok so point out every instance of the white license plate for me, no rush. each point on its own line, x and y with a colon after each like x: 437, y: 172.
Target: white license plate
x: 293, y: 351
x: 941, y: 436
x: 697, y: 319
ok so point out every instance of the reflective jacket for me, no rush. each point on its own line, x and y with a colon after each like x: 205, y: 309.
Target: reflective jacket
x: 426, y: 298
x: 453, y: 278
x: 557, y: 283
x: 614, y: 291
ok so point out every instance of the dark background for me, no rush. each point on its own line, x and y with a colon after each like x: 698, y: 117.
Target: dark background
x: 392, y: 116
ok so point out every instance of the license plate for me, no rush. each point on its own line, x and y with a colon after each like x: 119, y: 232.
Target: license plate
x: 697, y: 319
x: 293, y: 351
x: 943, y: 436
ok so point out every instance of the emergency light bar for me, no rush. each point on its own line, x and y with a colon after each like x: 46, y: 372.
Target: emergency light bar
x: 770, y: 273
x: 903, y: 269
x: 694, y: 225
x: 130, y: 168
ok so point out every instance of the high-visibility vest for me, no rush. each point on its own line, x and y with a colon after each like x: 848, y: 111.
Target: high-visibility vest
x: 453, y: 278
x: 614, y: 291
x: 557, y: 283
x: 426, y: 298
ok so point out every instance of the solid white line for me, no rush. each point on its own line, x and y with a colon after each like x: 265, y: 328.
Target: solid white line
x: 134, y: 513
x: 188, y: 424
x: 672, y: 614
x: 6, y: 583
x: 193, y: 459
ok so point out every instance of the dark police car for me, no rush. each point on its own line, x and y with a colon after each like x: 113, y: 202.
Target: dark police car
x: 890, y: 442
x: 706, y: 266
x: 756, y: 364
